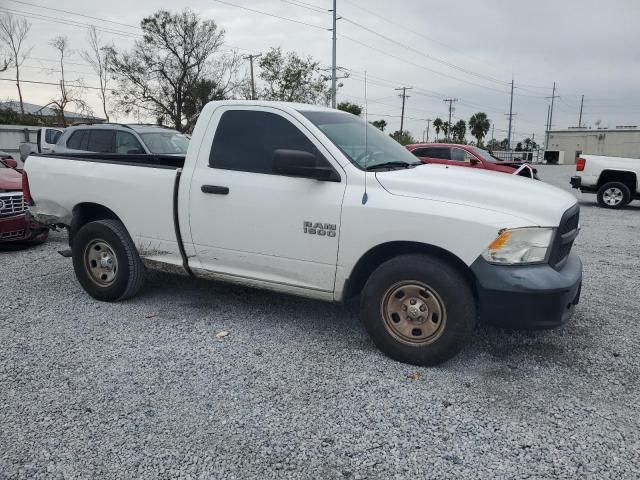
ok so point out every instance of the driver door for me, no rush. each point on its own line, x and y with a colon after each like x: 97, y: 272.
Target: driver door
x: 249, y: 222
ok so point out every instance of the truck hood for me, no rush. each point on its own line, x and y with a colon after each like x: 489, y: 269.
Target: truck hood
x: 534, y: 201
x: 10, y: 180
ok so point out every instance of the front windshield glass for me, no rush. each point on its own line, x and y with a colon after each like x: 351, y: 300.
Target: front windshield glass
x: 486, y: 156
x: 166, y: 142
x: 347, y: 132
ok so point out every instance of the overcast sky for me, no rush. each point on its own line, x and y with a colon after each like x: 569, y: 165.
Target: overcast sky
x: 459, y: 49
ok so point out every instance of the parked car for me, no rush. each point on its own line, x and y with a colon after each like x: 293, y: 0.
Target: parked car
x: 118, y: 138
x: 15, y: 225
x: 468, y: 156
x: 277, y: 196
x: 45, y: 140
x: 614, y: 180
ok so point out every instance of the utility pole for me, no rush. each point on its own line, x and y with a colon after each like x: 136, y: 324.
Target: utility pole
x: 493, y: 131
x: 580, y: 118
x: 428, y: 122
x: 450, y: 100
x: 550, y: 122
x: 333, y: 58
x: 404, y: 97
x: 510, y: 115
x: 253, y: 83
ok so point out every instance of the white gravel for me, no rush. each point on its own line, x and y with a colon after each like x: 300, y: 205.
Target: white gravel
x: 144, y: 389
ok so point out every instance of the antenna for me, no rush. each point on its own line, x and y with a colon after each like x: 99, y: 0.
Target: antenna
x: 365, y: 197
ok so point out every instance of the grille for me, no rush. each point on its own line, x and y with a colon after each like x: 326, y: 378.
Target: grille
x: 565, y: 235
x: 10, y: 235
x: 12, y: 204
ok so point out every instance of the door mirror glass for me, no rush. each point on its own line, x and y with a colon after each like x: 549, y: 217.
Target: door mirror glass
x: 298, y: 163
x: 474, y: 161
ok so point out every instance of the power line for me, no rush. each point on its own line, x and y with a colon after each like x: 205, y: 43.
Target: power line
x: 270, y: 14
x: 39, y: 16
x: 404, y: 27
x: 48, y: 7
x: 49, y: 83
x: 418, y: 65
x: 421, y: 53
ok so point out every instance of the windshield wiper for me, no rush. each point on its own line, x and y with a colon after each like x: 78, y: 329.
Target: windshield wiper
x: 393, y: 164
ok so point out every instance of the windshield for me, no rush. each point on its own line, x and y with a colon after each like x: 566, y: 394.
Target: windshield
x: 166, y: 142
x: 486, y: 156
x: 347, y: 132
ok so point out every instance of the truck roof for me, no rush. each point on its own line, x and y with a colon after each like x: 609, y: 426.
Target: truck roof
x: 305, y: 107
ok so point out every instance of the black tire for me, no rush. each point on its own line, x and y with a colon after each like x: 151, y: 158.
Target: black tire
x: 607, y: 199
x: 446, y: 286
x: 111, y: 235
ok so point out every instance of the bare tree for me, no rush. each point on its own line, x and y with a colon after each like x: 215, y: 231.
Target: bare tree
x: 98, y: 57
x: 13, y: 33
x: 69, y: 94
x: 175, y: 68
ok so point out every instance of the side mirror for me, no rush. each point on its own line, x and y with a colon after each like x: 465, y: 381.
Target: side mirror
x: 297, y: 163
x: 10, y: 163
x: 135, y: 151
x: 474, y: 161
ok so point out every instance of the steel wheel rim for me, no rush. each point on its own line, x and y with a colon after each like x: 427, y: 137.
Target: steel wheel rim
x: 413, y: 313
x: 100, y: 262
x: 612, y: 196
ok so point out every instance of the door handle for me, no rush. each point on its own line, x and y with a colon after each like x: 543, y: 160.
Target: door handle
x: 215, y: 189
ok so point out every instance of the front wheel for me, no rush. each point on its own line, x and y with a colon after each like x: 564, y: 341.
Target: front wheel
x: 106, y: 262
x: 614, y: 195
x: 418, y: 309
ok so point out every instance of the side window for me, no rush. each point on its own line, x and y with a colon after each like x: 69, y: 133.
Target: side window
x: 51, y: 135
x: 78, y: 140
x: 125, y: 142
x: 438, y: 152
x: 101, y: 141
x: 245, y: 140
x: 420, y: 152
x: 457, y: 154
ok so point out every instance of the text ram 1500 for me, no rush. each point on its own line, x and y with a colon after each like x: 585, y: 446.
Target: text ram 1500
x: 614, y: 180
x: 316, y: 202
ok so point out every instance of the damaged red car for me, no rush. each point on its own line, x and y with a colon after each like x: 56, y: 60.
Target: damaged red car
x: 15, y: 224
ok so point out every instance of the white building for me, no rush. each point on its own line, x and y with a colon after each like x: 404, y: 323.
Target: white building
x: 566, y: 145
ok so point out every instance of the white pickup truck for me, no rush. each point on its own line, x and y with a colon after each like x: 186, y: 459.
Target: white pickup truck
x: 316, y: 202
x: 613, y: 179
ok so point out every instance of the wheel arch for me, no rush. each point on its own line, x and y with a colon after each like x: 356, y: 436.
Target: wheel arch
x: 86, y: 212
x: 628, y: 177
x: 379, y: 254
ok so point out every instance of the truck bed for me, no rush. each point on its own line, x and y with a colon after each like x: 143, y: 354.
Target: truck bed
x: 138, y: 189
x: 153, y: 161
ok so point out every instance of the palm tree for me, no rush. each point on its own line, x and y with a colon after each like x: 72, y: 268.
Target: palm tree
x: 445, y: 129
x: 479, y: 125
x: 437, y: 124
x: 527, y: 144
x: 459, y: 130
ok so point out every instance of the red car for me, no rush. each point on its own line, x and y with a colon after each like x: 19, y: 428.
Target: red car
x: 15, y: 226
x: 465, y: 156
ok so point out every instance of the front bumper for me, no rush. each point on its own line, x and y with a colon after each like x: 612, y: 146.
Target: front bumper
x: 576, y: 182
x: 21, y: 228
x: 527, y: 296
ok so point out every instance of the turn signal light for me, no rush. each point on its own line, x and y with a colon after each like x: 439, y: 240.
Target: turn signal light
x: 580, y: 164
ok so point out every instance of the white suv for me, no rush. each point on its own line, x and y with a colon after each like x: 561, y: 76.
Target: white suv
x: 122, y: 139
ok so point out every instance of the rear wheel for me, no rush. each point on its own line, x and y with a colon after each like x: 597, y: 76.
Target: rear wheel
x: 106, y: 261
x: 418, y: 309
x: 614, y: 195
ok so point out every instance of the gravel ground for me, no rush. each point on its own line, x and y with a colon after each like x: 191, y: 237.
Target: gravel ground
x: 144, y: 389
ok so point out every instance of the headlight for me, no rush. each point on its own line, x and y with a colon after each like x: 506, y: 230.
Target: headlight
x: 520, y: 245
